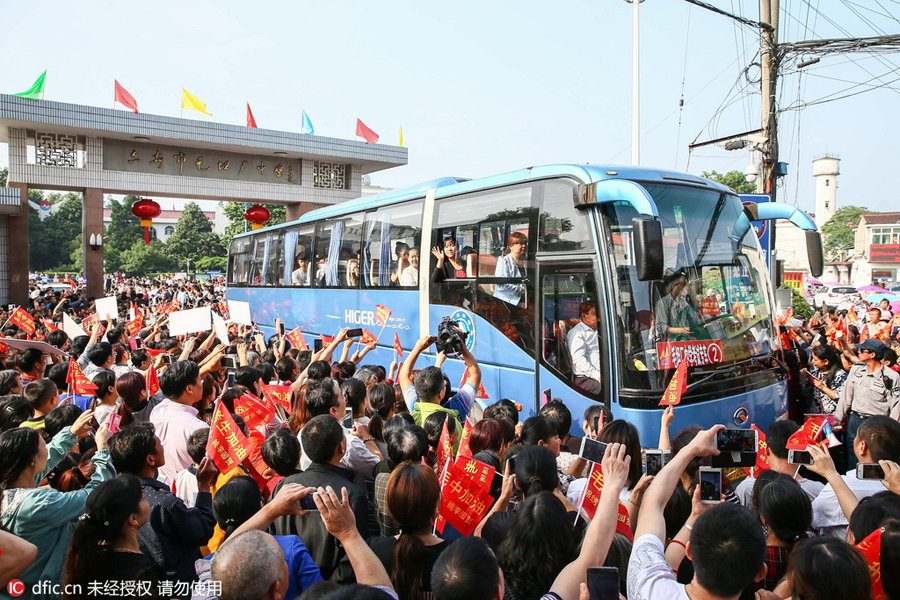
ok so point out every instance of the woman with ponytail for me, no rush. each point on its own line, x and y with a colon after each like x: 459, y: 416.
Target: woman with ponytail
x: 785, y: 513
x: 44, y: 516
x: 413, y: 499
x: 104, y: 545
x: 237, y: 502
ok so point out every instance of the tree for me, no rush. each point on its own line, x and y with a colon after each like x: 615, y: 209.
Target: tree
x: 53, y: 241
x: 732, y: 179
x: 799, y: 304
x: 123, y: 231
x: 141, y: 259
x: 211, y: 263
x: 194, y: 238
x: 839, y: 233
x: 235, y: 213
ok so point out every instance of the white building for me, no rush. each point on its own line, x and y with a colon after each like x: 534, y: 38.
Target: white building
x: 164, y: 224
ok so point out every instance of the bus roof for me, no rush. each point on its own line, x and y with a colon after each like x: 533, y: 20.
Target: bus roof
x: 450, y: 186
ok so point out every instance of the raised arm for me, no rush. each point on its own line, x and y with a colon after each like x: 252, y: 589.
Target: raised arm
x: 405, y: 375
x: 824, y: 466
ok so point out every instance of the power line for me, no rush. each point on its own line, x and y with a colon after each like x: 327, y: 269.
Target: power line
x: 712, y: 8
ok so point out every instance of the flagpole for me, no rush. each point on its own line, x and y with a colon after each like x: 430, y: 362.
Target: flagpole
x: 443, y: 481
x: 584, y: 492
x: 10, y: 316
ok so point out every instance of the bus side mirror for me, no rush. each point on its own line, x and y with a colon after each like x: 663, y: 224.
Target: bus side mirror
x: 815, y: 253
x: 648, y: 248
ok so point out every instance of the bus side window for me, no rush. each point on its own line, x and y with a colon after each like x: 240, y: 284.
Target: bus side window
x: 298, y: 257
x: 393, y: 236
x: 562, y: 227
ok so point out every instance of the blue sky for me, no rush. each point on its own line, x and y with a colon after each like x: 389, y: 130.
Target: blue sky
x: 480, y: 87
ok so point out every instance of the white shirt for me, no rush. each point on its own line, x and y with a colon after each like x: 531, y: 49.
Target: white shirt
x: 584, y: 347
x: 828, y: 517
x: 174, y: 424
x: 356, y: 457
x: 649, y: 575
x: 409, y: 276
x: 744, y: 489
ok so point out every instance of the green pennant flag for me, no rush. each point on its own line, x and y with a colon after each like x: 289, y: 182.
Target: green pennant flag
x: 36, y: 90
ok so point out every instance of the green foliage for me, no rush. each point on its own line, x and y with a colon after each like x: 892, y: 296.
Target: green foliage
x: 194, y: 238
x: 141, y: 259
x: 839, y: 233
x: 53, y: 242
x: 732, y: 179
x: 4, y: 176
x: 802, y: 309
x: 211, y: 263
x: 123, y: 231
x: 235, y: 213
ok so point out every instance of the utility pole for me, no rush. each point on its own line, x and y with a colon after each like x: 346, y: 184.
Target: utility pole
x: 769, y: 58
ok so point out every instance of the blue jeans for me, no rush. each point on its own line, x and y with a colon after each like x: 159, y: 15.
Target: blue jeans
x: 853, y: 423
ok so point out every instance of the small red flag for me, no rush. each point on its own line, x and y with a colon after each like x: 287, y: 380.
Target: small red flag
x: 482, y: 474
x: 815, y: 320
x: 677, y: 385
x: 444, y: 451
x: 154, y: 352
x: 69, y: 281
x: 21, y: 319
x: 279, y: 394
x: 327, y: 339
x: 382, y: 314
x: 134, y: 327
x: 590, y: 500
x: 367, y: 337
x: 251, y: 122
x: 808, y: 435
x: 152, y: 381
x: 227, y: 445
x: 50, y: 325
x: 124, y: 98
x: 870, y: 548
x: 852, y: 316
x: 762, y: 459
x: 76, y: 379
x: 464, y: 450
x: 295, y: 337
x: 364, y: 132
x: 481, y: 393
x: 463, y: 501
x: 253, y: 411
x: 397, y: 347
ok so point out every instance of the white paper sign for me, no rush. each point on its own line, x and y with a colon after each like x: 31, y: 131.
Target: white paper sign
x: 107, y: 306
x: 190, y: 321
x: 72, y: 329
x: 240, y: 312
x: 26, y: 344
x: 220, y: 328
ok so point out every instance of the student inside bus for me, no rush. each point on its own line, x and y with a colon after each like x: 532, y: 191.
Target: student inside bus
x: 448, y: 264
x: 512, y: 265
x: 409, y: 277
x: 584, y: 348
x: 401, y: 249
x: 300, y: 274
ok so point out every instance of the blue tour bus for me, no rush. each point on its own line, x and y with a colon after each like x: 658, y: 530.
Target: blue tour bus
x: 614, y: 237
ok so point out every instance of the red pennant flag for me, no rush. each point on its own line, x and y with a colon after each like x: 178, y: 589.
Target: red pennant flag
x: 49, y: 325
x: 251, y: 122
x: 326, y: 339
x: 852, y: 317
x: 3, y: 348
x: 295, y: 337
x: 590, y: 500
x: 464, y: 450
x: 154, y: 352
x: 808, y: 435
x: 227, y: 445
x: 279, y: 394
x: 870, y: 548
x: 76, y: 379
x: 444, y: 450
x: 382, y: 314
x: 69, y: 281
x: 481, y: 393
x: 364, y: 132
x: 463, y: 502
x: 152, y: 381
x: 762, y: 459
x: 367, y: 337
x: 815, y: 320
x: 397, y: 347
x: 124, y: 98
x: 482, y: 474
x: 253, y: 411
x: 134, y: 327
x: 677, y: 385
x: 21, y: 319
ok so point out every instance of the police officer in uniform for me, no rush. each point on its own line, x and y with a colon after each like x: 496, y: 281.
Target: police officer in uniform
x: 870, y: 390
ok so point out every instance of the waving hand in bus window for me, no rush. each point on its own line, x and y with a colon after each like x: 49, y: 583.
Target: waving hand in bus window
x: 448, y: 264
x: 409, y: 277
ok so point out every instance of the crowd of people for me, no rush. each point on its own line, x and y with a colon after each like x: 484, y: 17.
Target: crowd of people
x: 115, y: 493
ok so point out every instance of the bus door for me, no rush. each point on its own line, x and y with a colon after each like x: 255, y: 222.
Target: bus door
x: 564, y: 286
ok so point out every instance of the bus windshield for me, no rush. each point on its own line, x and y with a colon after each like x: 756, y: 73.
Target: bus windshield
x: 713, y: 305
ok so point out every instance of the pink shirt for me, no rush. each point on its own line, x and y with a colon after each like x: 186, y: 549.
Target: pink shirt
x: 174, y: 423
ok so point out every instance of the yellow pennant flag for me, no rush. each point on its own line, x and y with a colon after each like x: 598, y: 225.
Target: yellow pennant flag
x: 190, y: 102
x: 401, y: 136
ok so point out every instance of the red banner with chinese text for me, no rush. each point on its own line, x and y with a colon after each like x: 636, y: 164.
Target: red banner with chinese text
x: 295, y: 337
x: 253, y: 411
x: 21, y: 319
x: 279, y: 394
x: 382, y: 314
x: 77, y: 381
x: 697, y: 352
x: 227, y: 445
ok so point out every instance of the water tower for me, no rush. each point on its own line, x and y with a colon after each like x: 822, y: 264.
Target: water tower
x: 826, y: 170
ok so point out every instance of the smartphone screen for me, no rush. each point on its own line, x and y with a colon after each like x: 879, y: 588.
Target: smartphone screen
x: 167, y: 358
x: 799, y: 457
x: 317, y: 345
x: 710, y: 485
x: 596, y: 424
x: 354, y: 333
x: 113, y: 423
x: 736, y: 440
x: 307, y: 502
x: 348, y: 418
x: 546, y: 395
x: 592, y: 450
x: 869, y: 471
x: 281, y: 329
x: 603, y: 583
x: 230, y: 383
x: 656, y: 460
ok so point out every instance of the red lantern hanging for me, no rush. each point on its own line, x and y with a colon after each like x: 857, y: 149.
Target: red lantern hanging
x: 146, y: 210
x: 257, y: 215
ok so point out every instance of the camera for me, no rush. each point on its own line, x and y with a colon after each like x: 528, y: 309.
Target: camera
x: 450, y: 338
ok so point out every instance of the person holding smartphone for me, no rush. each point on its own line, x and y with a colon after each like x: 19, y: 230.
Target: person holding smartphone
x: 827, y: 377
